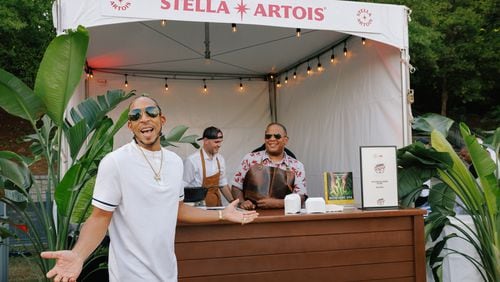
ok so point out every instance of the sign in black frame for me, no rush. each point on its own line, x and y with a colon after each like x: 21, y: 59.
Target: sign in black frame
x: 379, y: 179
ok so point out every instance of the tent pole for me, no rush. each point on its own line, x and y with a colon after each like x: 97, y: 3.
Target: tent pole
x: 405, y: 91
x: 272, y: 98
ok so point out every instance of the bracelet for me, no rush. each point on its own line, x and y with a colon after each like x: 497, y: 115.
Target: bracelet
x: 221, y: 216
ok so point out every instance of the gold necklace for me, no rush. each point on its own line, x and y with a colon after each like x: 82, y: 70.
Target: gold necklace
x: 157, y: 174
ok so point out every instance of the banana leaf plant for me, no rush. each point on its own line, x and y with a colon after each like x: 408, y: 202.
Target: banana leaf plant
x: 77, y: 138
x: 480, y: 199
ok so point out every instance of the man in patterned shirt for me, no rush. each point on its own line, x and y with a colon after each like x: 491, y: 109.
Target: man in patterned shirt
x: 274, y: 156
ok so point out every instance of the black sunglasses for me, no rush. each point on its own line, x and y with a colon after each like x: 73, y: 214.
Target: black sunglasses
x: 277, y: 136
x: 136, y: 114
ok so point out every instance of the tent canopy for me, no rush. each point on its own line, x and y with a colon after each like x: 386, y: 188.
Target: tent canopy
x: 360, y: 99
x: 265, y: 29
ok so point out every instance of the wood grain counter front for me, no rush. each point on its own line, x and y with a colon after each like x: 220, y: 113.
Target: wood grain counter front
x: 348, y: 246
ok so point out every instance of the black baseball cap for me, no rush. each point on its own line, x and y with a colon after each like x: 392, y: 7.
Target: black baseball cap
x: 211, y: 132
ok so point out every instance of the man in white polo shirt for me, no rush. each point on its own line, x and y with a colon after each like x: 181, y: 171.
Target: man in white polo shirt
x: 138, y: 197
x: 207, y: 168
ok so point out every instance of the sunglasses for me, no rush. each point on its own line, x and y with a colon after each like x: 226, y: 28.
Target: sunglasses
x: 136, y: 114
x: 277, y: 136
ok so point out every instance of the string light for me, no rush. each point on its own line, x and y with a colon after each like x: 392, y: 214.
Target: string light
x: 233, y: 27
x: 297, y: 31
x: 320, y: 67
x: 271, y: 77
x: 163, y: 22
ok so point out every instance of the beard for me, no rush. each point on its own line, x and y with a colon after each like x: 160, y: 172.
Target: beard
x: 138, y: 140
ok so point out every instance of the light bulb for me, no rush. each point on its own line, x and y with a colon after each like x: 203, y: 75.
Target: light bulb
x: 163, y: 22
x: 233, y: 27
x: 297, y: 31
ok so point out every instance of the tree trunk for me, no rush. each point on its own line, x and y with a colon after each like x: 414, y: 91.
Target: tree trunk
x: 444, y: 97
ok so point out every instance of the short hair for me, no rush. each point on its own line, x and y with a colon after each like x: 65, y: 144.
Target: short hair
x: 146, y: 96
x: 278, y: 124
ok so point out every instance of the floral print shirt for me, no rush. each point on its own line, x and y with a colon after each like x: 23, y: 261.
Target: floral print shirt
x: 288, y: 163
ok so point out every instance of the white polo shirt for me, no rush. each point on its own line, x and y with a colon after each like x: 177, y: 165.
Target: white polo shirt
x: 142, y: 228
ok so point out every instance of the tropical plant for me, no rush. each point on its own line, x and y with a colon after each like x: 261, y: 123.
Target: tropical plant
x: 479, y: 199
x: 71, y: 140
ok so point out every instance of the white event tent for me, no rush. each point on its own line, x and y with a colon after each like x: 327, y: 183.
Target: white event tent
x: 359, y: 99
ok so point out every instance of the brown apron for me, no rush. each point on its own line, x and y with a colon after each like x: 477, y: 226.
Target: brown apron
x: 211, y: 183
x: 264, y: 181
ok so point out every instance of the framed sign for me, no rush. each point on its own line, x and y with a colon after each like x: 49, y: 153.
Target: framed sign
x: 379, y: 179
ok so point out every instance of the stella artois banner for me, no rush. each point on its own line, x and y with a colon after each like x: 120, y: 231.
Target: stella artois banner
x: 381, y: 22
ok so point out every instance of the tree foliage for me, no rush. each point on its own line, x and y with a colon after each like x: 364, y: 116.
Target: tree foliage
x: 453, y: 45
x: 26, y: 30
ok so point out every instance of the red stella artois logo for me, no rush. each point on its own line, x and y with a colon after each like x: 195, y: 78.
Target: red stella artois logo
x: 364, y: 17
x: 283, y: 11
x: 120, y: 5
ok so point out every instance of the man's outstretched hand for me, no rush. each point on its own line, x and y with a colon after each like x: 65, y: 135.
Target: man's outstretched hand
x: 230, y: 213
x: 68, y: 265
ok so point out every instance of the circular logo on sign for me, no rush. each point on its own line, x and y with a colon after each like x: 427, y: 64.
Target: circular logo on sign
x: 364, y: 17
x: 120, y: 5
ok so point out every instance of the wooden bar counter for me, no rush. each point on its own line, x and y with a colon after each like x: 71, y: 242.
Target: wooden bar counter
x: 384, y: 245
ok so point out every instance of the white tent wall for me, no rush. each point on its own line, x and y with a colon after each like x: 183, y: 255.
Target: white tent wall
x: 242, y: 115
x: 354, y: 102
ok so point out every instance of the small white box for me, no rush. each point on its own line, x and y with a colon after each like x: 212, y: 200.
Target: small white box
x: 315, y: 205
x: 292, y: 204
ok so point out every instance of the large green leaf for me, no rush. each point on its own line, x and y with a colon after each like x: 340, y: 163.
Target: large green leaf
x: 18, y: 99
x: 69, y: 185
x: 61, y: 71
x: 88, y: 116
x: 442, y: 199
x: 458, y: 177
x: 81, y: 209
x: 76, y: 136
x: 176, y: 136
x: 16, y: 172
x: 429, y: 122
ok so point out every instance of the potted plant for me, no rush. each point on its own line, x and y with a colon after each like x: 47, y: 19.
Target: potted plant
x: 479, y: 199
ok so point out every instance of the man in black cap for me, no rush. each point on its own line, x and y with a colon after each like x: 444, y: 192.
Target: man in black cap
x: 207, y: 168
